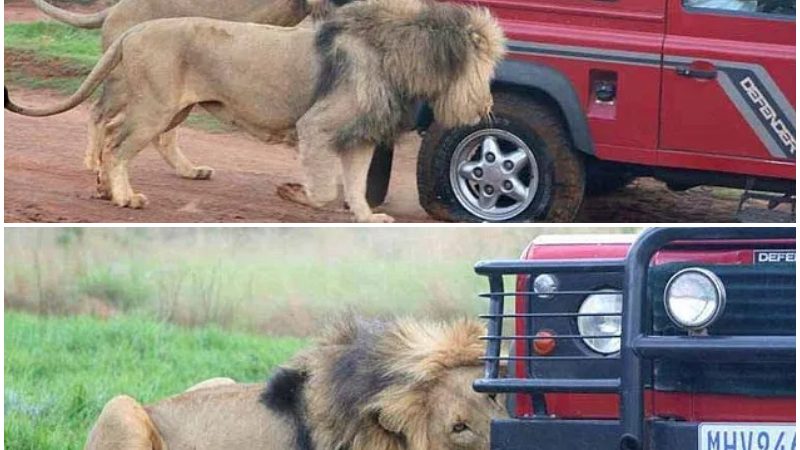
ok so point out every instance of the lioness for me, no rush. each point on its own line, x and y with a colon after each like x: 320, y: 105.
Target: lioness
x: 400, y: 385
x: 339, y: 90
x: 128, y: 13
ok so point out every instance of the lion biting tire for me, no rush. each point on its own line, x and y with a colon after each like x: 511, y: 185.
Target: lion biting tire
x: 338, y: 90
x: 400, y: 385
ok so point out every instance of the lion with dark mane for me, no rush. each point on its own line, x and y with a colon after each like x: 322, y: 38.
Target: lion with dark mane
x: 366, y: 385
x: 340, y: 90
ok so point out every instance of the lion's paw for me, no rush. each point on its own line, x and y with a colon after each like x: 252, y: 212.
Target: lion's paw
x: 380, y: 218
x: 138, y: 201
x: 199, y: 173
x: 135, y: 201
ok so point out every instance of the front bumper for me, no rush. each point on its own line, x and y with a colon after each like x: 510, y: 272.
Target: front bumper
x: 557, y: 434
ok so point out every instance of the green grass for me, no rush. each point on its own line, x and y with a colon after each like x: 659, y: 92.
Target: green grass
x: 63, y: 85
x: 52, y: 40
x: 205, y: 121
x: 59, y: 372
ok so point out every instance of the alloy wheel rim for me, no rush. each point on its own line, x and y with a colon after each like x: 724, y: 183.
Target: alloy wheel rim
x: 494, y: 174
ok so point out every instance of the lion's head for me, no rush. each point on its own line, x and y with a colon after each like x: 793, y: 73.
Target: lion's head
x: 444, y: 53
x: 391, y: 53
x: 447, y: 414
x: 398, y: 385
x: 468, y: 97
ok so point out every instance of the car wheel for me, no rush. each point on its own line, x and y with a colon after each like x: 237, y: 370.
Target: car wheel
x: 517, y: 167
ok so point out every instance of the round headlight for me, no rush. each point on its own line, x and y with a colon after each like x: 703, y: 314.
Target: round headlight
x: 694, y: 298
x: 595, y: 326
x: 545, y: 284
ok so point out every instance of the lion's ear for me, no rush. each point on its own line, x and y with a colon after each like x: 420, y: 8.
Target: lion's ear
x: 404, y: 414
x: 390, y: 422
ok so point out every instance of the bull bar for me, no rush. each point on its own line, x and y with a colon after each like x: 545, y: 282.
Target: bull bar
x: 638, y: 348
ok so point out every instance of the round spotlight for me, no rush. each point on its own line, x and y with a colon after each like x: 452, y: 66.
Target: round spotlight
x: 694, y: 298
x: 595, y: 327
x: 545, y: 284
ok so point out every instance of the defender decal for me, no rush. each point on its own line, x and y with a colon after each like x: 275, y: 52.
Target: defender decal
x: 761, y: 104
x: 769, y: 114
x: 774, y: 257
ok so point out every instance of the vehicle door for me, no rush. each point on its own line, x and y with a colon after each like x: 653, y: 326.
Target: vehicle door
x: 729, y: 86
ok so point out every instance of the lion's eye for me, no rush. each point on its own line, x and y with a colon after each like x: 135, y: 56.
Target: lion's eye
x: 493, y: 397
x: 458, y: 427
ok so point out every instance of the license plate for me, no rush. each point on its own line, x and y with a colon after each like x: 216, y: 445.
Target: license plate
x: 746, y: 436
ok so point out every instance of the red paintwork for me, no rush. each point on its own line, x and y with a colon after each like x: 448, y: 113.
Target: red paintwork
x: 687, y: 406
x: 695, y: 408
x: 659, y: 118
x: 731, y: 38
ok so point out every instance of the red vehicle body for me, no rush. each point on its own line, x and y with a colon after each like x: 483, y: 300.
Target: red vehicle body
x: 687, y: 406
x: 658, y: 88
x: 601, y: 356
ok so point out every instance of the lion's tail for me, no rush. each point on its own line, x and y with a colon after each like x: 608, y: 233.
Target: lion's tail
x: 88, y: 21
x: 107, y: 62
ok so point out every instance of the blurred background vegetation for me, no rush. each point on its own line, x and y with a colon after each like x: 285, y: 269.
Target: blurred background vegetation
x: 278, y: 281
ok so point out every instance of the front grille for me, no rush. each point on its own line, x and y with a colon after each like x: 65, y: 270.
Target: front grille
x: 760, y: 301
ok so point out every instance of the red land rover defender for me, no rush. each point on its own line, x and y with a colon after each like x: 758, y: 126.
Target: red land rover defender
x: 681, y: 340
x: 596, y: 92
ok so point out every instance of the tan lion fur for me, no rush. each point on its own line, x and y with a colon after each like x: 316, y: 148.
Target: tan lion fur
x: 128, y: 13
x: 343, y: 89
x: 366, y: 385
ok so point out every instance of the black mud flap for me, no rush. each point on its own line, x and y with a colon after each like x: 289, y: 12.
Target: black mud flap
x: 767, y: 208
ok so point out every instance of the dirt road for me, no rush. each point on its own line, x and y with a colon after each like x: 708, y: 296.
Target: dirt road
x: 45, y: 181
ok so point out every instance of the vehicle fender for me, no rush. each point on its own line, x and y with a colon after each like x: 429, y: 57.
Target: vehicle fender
x: 556, y: 85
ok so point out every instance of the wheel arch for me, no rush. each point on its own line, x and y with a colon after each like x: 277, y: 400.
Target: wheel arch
x: 541, y: 82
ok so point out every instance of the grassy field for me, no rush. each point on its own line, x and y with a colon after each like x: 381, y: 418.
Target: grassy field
x: 51, y: 40
x: 59, y: 372
x: 275, y: 281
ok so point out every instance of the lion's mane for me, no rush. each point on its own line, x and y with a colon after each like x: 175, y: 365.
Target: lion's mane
x: 367, y: 380
x: 395, y: 52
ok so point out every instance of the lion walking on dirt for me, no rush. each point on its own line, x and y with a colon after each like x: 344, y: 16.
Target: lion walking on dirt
x: 126, y: 14
x: 399, y: 385
x: 338, y: 90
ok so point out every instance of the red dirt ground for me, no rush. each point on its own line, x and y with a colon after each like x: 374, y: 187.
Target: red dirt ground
x: 45, y: 180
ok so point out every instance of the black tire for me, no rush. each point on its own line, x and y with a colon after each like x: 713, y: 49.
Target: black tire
x: 604, y: 180
x: 380, y: 172
x: 561, y: 183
